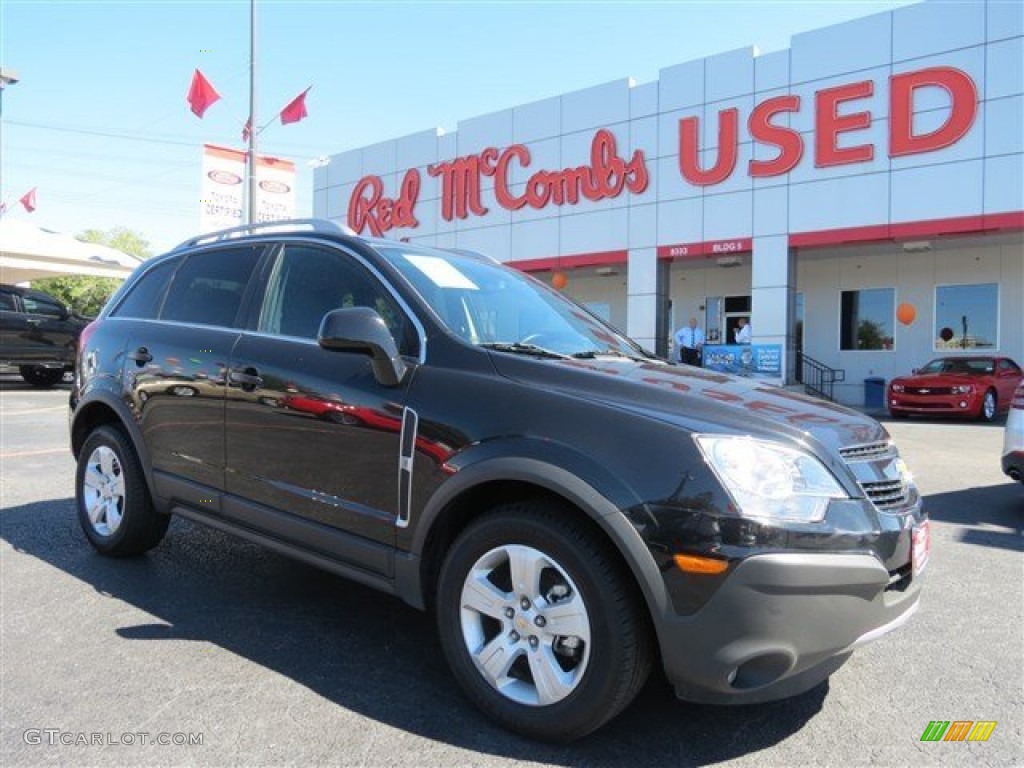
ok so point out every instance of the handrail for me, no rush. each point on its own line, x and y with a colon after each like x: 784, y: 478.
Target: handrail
x: 818, y: 378
x: 322, y: 226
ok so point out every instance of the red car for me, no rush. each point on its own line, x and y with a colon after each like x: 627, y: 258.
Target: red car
x: 970, y: 387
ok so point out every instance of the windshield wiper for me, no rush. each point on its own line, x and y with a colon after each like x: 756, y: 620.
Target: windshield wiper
x: 590, y: 354
x: 519, y: 348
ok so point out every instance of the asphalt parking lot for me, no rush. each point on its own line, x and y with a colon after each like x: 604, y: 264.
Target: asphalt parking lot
x: 275, y: 663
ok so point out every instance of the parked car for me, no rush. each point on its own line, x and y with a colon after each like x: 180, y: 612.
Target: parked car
x: 573, y: 510
x: 976, y: 387
x: 1013, y: 440
x: 38, y: 335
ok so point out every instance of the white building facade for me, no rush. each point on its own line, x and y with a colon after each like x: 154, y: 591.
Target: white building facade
x: 859, y: 196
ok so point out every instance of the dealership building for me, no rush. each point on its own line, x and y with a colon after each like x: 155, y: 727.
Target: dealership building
x: 859, y: 196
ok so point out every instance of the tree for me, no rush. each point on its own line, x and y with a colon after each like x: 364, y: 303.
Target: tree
x: 87, y: 295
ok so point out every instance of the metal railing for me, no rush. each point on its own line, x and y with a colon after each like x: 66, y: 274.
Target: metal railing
x: 817, y: 378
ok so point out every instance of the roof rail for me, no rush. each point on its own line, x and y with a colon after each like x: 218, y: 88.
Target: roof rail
x: 322, y: 226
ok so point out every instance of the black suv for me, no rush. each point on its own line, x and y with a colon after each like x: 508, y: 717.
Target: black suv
x: 37, y: 334
x: 451, y: 431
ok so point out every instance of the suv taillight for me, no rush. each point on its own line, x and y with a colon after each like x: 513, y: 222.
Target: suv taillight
x: 83, y: 337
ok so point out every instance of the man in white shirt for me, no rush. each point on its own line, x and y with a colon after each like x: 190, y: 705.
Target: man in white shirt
x: 742, y: 331
x: 689, y: 343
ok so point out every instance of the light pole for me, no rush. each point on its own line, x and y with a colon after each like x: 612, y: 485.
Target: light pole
x: 251, y: 217
x: 7, y: 77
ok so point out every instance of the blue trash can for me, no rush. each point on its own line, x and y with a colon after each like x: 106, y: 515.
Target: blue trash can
x: 874, y: 392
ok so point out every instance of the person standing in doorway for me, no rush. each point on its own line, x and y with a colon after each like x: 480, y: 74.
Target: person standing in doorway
x: 690, y: 343
x: 742, y: 331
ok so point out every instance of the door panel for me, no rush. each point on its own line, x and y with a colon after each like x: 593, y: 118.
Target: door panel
x: 311, y: 432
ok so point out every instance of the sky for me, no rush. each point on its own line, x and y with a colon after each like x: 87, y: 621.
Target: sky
x: 98, y: 121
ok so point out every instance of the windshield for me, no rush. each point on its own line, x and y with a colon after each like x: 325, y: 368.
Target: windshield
x: 977, y: 366
x: 491, y: 305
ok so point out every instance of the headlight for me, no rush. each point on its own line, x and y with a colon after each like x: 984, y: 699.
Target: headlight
x: 771, y: 480
x: 897, y: 387
x: 962, y: 389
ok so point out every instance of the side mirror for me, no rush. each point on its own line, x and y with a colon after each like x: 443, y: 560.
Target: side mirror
x: 361, y: 329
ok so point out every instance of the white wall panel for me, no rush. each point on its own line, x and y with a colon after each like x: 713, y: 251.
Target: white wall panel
x: 739, y: 180
x: 535, y: 239
x: 479, y: 133
x: 1004, y: 126
x: 643, y: 226
x: 538, y: 120
x: 730, y: 215
x: 595, y: 107
x: 1004, y: 20
x: 937, y: 191
x: 643, y: 100
x: 1004, y: 184
x: 710, y: 124
x: 320, y: 178
x: 379, y: 159
x: 337, y: 200
x: 877, y: 103
x: 681, y: 86
x: 969, y: 60
x: 670, y: 182
x: 927, y: 28
x: 643, y: 135
x: 1004, y: 68
x: 447, y: 146
x: 771, y: 211
x: 970, y: 146
x: 681, y: 221
x: 851, y: 201
x: 345, y: 167
x: 771, y: 71
x: 875, y: 135
x: 492, y: 241
x: 842, y: 48
x: 320, y: 204
x: 594, y: 232
x: 417, y: 149
x: 545, y: 155
x: 729, y: 74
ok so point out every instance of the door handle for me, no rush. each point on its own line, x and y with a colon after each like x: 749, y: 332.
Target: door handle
x: 247, y: 378
x: 141, y: 356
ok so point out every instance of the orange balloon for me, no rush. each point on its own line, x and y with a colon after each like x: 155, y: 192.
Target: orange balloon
x: 906, y: 313
x: 559, y: 280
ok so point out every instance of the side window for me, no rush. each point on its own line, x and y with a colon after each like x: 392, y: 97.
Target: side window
x: 7, y: 302
x: 209, y: 286
x: 36, y: 305
x: 1008, y: 366
x: 308, y: 282
x: 144, y: 298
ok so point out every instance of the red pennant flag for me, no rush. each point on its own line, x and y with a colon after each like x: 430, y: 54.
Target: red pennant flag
x: 29, y: 200
x: 201, y: 94
x: 296, y: 110
x: 247, y: 130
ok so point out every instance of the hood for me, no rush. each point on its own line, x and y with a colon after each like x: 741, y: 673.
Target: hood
x: 937, y: 379
x: 696, y: 399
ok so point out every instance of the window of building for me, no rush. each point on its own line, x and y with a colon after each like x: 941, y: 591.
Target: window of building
x: 144, y: 299
x: 866, y: 319
x: 209, y: 286
x: 967, y: 316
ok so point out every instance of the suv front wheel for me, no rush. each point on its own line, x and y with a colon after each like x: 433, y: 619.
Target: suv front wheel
x: 114, y: 506
x: 540, y: 625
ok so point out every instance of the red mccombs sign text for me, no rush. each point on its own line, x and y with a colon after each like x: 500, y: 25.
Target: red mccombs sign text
x: 608, y: 175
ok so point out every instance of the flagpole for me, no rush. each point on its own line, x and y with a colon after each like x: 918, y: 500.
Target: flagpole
x: 251, y: 157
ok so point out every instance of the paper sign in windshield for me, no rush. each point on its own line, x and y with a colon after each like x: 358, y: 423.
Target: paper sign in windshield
x: 441, y: 273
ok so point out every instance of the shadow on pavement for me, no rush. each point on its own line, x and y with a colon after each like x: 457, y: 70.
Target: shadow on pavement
x: 364, y: 651
x: 1001, y: 505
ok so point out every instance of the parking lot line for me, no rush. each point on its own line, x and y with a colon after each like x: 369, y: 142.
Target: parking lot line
x: 42, y: 452
x: 32, y: 411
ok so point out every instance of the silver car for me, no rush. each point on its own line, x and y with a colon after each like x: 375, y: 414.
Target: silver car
x: 1013, y: 442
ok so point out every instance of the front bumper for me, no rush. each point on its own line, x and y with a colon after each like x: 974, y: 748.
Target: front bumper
x: 781, y: 624
x: 939, y: 405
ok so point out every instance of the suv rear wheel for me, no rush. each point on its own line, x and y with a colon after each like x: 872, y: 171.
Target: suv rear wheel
x: 114, y: 506
x: 539, y: 624
x: 39, y: 376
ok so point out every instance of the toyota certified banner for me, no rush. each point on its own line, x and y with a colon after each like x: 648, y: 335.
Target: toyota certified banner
x: 222, y: 201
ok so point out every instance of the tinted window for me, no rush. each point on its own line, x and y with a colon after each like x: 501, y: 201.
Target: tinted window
x: 1008, y: 366
x: 35, y: 305
x: 866, y: 320
x: 966, y: 316
x: 209, y: 286
x: 7, y: 302
x: 144, y: 298
x: 308, y: 282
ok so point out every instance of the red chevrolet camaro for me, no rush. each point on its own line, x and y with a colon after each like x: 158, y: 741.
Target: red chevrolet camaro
x: 968, y: 387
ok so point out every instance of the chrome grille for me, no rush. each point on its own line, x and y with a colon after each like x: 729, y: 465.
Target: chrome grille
x: 888, y: 494
x: 867, y: 452
x: 929, y: 390
x: 873, y: 464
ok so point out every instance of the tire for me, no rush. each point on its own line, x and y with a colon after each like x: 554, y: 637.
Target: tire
x: 989, y: 407
x: 41, y: 377
x: 589, y: 674
x: 112, y: 498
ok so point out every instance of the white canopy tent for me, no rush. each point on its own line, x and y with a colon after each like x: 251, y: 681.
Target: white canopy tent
x: 28, y: 253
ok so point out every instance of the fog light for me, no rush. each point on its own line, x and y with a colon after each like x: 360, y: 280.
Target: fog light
x: 963, y: 404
